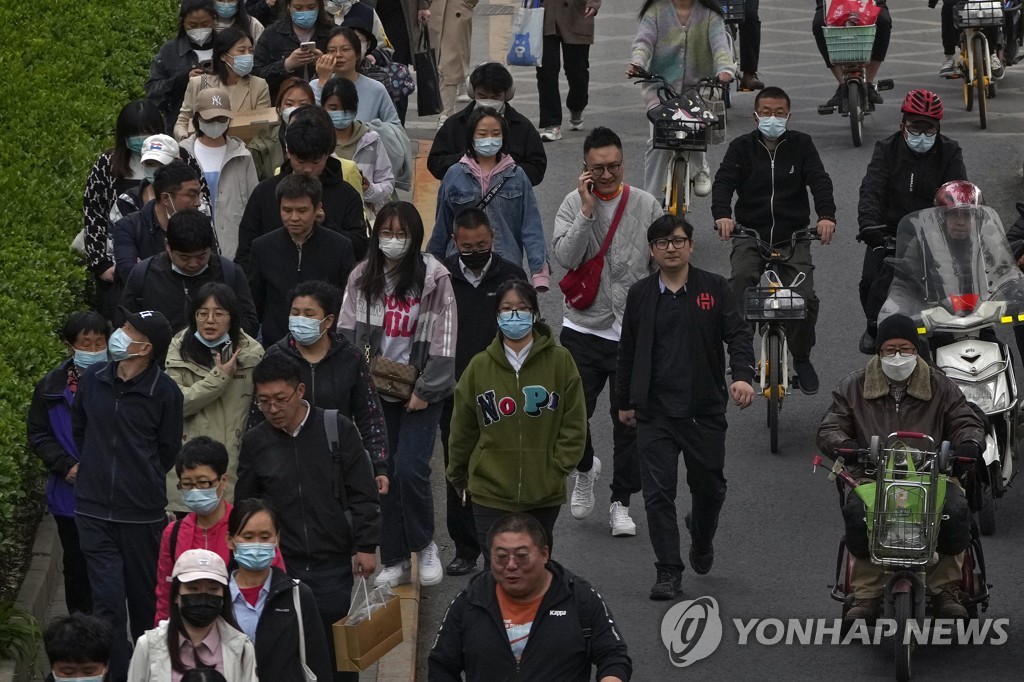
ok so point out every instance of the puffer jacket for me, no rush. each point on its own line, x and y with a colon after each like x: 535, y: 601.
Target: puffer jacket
x: 862, y: 407
x: 237, y: 181
x: 628, y: 260
x: 151, y: 661
x: 567, y: 19
x: 216, y: 405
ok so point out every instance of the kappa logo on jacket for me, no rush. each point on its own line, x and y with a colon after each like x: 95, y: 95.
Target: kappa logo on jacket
x: 535, y: 399
x: 705, y: 301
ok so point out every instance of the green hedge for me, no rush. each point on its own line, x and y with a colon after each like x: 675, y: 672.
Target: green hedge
x: 68, y: 67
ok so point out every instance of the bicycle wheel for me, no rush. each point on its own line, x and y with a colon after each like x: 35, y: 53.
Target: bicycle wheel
x: 904, y: 612
x: 965, y: 51
x: 680, y: 179
x: 856, y: 108
x: 980, y: 86
x: 774, y: 387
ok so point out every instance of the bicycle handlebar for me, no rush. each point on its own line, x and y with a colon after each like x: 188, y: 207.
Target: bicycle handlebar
x: 644, y: 76
x: 769, y: 250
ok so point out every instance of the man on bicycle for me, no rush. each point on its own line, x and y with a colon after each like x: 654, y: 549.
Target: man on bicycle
x: 899, y: 391
x: 770, y: 170
x: 883, y: 29
x: 906, y: 170
x: 951, y: 40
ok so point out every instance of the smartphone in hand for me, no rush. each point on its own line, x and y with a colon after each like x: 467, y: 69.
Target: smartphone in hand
x: 225, y: 353
x: 308, y: 46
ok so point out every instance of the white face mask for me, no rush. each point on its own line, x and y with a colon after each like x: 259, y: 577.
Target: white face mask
x: 898, y: 367
x: 394, y: 248
x: 213, y: 129
x: 496, y: 104
x: 199, y: 36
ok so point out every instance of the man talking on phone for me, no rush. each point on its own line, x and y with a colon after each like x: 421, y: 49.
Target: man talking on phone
x: 602, y: 205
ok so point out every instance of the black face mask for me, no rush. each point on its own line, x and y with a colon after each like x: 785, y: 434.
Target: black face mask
x: 199, y: 610
x: 476, y: 260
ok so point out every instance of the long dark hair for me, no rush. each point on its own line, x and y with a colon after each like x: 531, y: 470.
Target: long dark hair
x: 411, y: 270
x: 141, y: 117
x: 243, y: 511
x: 194, y: 350
x: 188, y: 6
x: 176, y: 625
x: 222, y: 44
x: 710, y: 4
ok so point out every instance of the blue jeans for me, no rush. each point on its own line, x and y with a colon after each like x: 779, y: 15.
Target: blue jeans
x: 408, y: 509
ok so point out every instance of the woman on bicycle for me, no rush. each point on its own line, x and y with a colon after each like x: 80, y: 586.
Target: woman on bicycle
x: 883, y: 29
x: 684, y: 41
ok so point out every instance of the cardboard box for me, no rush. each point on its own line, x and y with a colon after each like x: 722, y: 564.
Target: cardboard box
x: 248, y: 125
x: 359, y: 646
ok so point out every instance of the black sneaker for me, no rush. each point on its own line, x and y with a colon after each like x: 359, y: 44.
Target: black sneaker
x: 700, y: 562
x: 669, y: 584
x: 836, y: 98
x: 873, y: 95
x: 867, y: 342
x: 806, y: 375
x: 460, y: 566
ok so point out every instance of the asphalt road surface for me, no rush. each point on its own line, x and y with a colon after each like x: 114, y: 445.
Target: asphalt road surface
x: 776, y: 545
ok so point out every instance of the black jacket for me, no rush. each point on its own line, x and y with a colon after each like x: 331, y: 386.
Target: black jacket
x: 277, y: 633
x: 311, y: 490
x: 524, y: 142
x: 128, y: 434
x: 1015, y: 235
x: 277, y: 264
x: 771, y: 187
x: 342, y: 381
x: 137, y: 236
x: 259, y: 10
x: 154, y: 285
x: 343, y: 209
x: 472, y: 636
x: 899, y: 181
x: 168, y: 77
x: 478, y: 318
x: 276, y: 44
x: 716, y: 320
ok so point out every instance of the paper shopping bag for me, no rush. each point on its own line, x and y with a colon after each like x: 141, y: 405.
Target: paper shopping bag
x: 526, y: 47
x: 372, y: 628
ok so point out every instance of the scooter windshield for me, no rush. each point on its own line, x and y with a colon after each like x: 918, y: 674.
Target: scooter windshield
x: 953, y: 269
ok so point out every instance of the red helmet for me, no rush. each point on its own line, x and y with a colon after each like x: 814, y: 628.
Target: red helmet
x: 922, y: 103
x: 959, y: 194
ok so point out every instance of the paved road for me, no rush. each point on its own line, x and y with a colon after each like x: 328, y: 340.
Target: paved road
x: 780, y: 527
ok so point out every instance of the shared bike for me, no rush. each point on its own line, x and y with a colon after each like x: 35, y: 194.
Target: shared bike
x: 975, y: 65
x: 849, y: 48
x: 734, y: 14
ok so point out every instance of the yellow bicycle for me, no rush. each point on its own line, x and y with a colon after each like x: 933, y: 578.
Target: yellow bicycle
x: 975, y: 67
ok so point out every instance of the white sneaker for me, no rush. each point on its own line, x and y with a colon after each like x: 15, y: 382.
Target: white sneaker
x: 997, y: 66
x: 621, y: 523
x: 582, y: 502
x: 394, y: 575
x: 462, y: 97
x: 576, y: 120
x: 702, y: 182
x: 551, y: 133
x: 430, y: 568
x: 441, y: 119
x: 948, y: 69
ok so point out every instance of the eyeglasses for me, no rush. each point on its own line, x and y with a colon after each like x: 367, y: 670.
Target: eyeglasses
x: 926, y: 129
x: 520, y: 313
x: 470, y: 252
x: 598, y: 171
x: 777, y: 113
x: 201, y: 484
x: 904, y: 352
x: 676, y: 242
x: 218, y: 315
x: 501, y: 559
x: 264, y: 404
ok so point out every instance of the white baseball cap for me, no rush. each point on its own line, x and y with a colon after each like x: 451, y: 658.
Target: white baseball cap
x: 200, y: 564
x: 160, y: 148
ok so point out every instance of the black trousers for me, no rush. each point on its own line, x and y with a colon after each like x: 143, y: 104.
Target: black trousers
x: 701, y: 440
x: 875, y: 278
x: 596, y: 359
x: 577, y: 72
x: 459, y: 514
x: 392, y: 18
x: 750, y: 37
x: 77, y: 590
x: 332, y: 587
x: 121, y: 559
x: 879, y: 48
x: 486, y: 517
x: 951, y: 36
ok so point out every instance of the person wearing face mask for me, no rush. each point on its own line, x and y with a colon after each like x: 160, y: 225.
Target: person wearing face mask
x: 279, y: 52
x: 900, y: 391
x: 263, y: 597
x: 267, y: 148
x: 399, y: 305
x: 181, y: 58
x: 168, y: 280
x: 517, y: 460
x: 227, y: 166
x: 51, y: 439
x: 78, y: 648
x: 905, y: 171
x: 230, y: 70
x: 203, y: 484
x: 157, y: 152
x: 126, y: 421
x: 487, y: 177
x: 770, y: 171
x: 200, y: 632
x: 490, y: 86
x: 233, y: 14
x: 333, y: 370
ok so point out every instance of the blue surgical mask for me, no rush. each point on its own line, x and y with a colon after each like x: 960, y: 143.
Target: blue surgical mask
x: 305, y: 330
x: 305, y: 18
x: 135, y: 142
x: 342, y: 119
x: 118, y: 345
x: 212, y: 344
x: 514, y: 324
x: 487, y: 146
x: 771, y: 127
x: 85, y: 359
x: 242, y: 64
x: 255, y: 556
x: 201, y: 501
x: 226, y: 10
x: 919, y: 142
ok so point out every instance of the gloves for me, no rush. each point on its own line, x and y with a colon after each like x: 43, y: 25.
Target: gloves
x: 873, y: 239
x: 969, y: 449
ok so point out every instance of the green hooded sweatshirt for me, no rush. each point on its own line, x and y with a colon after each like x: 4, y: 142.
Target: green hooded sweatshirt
x: 515, y: 436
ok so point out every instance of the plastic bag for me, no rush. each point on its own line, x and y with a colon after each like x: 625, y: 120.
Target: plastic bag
x: 366, y: 601
x: 852, y: 13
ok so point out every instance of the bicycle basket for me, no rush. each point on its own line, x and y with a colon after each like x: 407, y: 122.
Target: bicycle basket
x: 978, y: 14
x: 680, y: 123
x: 849, y: 44
x: 764, y: 304
x: 733, y: 11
